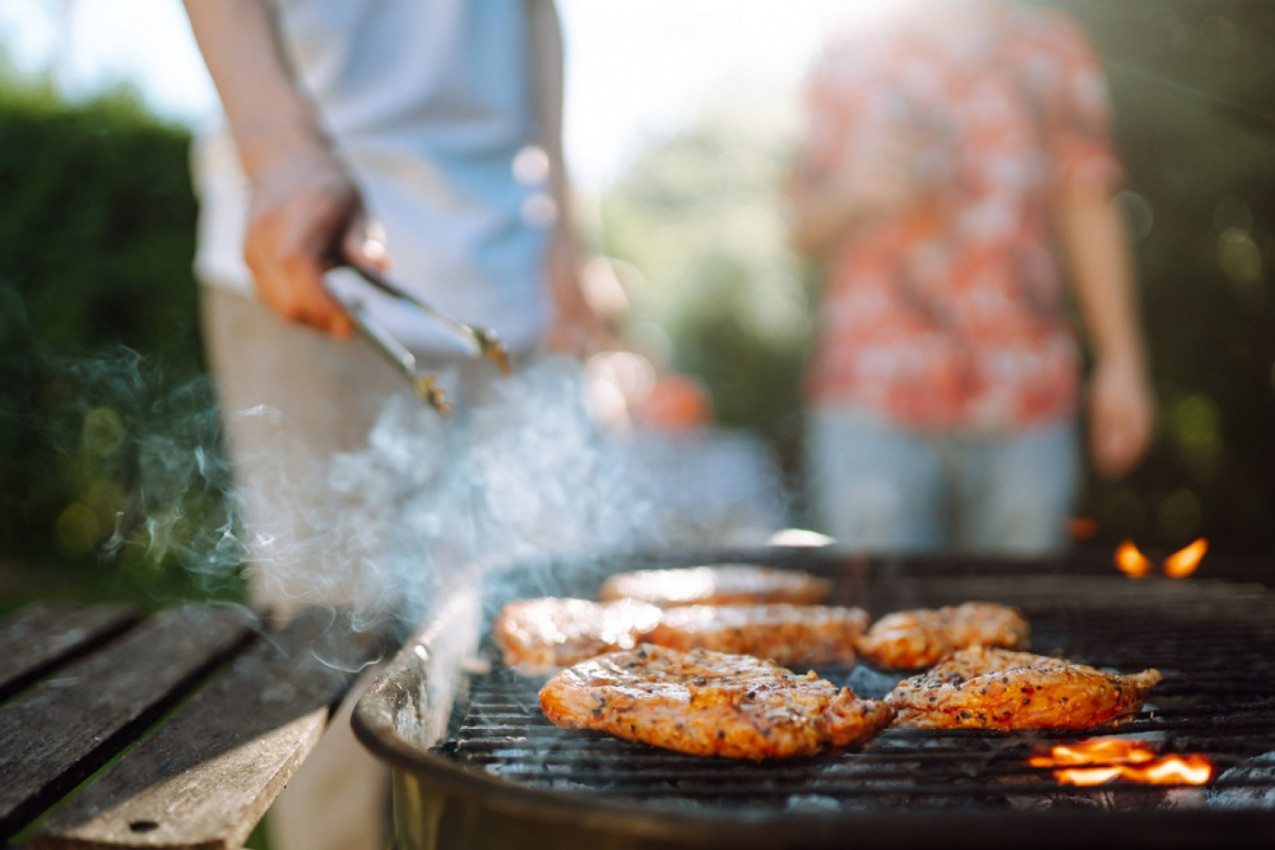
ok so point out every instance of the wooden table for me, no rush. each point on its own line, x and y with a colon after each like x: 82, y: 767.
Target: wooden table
x: 211, y: 711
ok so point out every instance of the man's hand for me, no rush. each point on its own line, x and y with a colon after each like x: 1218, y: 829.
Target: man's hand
x: 307, y: 214
x: 1121, y: 407
x: 1121, y: 418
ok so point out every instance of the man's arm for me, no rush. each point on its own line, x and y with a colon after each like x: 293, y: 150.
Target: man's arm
x: 304, y: 202
x: 1122, y: 409
x: 577, y: 327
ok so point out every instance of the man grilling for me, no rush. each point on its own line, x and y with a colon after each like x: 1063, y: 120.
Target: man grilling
x: 426, y: 133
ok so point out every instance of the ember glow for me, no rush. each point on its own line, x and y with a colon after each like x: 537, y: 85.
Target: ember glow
x: 1131, y: 561
x: 1100, y: 760
x: 1184, y: 561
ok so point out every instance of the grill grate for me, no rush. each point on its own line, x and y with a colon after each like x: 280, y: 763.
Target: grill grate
x: 1213, y: 641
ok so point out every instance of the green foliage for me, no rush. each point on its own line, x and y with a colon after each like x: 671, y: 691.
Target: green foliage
x: 699, y: 217
x: 97, y: 227
x: 98, y: 333
x: 1192, y: 86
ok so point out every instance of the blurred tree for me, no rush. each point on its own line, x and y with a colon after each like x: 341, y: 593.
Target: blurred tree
x: 698, y: 216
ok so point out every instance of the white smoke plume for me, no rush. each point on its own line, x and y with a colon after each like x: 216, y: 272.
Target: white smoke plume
x: 523, y: 476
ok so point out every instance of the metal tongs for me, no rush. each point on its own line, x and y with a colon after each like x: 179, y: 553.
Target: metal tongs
x: 484, y: 343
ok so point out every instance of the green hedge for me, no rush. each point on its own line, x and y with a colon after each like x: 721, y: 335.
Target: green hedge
x: 98, y: 331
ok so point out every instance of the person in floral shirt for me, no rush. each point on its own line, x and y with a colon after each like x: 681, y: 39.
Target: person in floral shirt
x: 957, y: 171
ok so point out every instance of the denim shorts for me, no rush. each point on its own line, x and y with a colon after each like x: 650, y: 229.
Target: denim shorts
x: 877, y: 487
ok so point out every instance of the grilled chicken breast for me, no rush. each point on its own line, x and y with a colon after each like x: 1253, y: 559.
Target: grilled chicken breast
x: 541, y: 635
x: 723, y: 584
x: 790, y: 635
x: 983, y: 688
x: 910, y: 640
x: 710, y: 704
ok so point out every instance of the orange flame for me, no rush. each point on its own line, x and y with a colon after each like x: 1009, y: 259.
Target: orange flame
x: 1184, y: 561
x: 1122, y: 750
x: 1105, y: 759
x: 1130, y: 561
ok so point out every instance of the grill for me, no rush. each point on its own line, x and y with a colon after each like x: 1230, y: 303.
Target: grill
x: 476, y: 765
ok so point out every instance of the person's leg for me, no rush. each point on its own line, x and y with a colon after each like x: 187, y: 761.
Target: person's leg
x: 1013, y: 493
x: 290, y: 399
x: 875, y: 487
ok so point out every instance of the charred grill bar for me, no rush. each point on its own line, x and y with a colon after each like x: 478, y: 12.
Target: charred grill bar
x: 478, y: 766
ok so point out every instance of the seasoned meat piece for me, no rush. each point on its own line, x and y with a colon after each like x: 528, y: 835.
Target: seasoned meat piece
x: 541, y: 635
x: 984, y: 688
x: 710, y: 704
x: 791, y: 635
x: 910, y: 640
x: 723, y: 584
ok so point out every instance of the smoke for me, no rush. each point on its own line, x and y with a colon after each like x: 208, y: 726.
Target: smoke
x: 521, y: 475
x: 115, y: 457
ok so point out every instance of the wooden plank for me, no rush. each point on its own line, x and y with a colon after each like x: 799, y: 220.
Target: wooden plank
x: 206, y: 777
x: 43, y: 635
x: 59, y: 733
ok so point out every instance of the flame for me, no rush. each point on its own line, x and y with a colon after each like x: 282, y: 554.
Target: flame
x: 1122, y: 750
x: 1105, y: 759
x: 1087, y: 775
x: 1170, y: 770
x: 1130, y: 561
x: 1184, y: 561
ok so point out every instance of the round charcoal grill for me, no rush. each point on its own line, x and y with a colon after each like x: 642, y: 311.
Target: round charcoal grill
x: 476, y: 765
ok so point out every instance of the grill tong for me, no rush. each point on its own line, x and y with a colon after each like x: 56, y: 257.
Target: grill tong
x: 484, y: 342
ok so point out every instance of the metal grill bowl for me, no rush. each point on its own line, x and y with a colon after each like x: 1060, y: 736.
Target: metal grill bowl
x: 476, y: 765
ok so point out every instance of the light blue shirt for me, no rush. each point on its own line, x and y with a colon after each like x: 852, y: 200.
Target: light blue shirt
x: 429, y: 102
